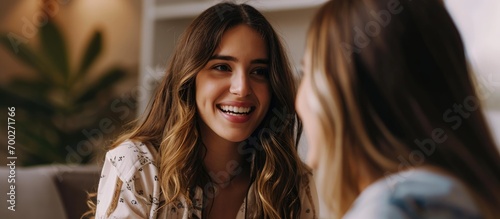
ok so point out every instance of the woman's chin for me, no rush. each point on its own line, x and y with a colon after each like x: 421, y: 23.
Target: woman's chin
x: 235, y: 138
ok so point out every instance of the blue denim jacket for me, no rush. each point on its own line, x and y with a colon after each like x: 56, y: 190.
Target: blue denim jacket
x: 415, y: 194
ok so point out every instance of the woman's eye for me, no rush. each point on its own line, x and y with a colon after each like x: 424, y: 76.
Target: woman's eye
x: 222, y: 68
x: 261, y: 72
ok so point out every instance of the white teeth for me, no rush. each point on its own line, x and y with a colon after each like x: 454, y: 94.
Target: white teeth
x: 235, y: 109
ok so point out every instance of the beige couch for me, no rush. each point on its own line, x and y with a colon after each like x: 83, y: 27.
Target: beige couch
x: 55, y: 191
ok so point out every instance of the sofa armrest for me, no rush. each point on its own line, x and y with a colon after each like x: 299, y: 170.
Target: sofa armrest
x: 36, y: 195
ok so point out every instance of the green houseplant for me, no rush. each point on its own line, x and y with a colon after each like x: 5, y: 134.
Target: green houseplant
x: 61, y: 101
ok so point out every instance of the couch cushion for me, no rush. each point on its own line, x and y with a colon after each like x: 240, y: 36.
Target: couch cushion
x: 73, y: 184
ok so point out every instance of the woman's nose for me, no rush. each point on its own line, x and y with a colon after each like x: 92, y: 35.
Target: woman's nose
x: 240, y: 84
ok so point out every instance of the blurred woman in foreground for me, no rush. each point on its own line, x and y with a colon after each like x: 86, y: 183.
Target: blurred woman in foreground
x: 394, y: 124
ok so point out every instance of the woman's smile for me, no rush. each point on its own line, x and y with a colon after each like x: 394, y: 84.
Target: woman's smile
x: 236, y: 114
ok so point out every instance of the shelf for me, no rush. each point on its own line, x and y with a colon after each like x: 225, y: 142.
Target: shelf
x: 192, y: 9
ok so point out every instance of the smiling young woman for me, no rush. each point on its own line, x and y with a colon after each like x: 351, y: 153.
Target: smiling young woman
x: 211, y: 145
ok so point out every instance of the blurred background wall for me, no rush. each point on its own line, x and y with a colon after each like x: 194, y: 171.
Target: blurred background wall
x: 479, y: 24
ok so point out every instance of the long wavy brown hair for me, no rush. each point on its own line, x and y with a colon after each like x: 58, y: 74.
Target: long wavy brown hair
x: 171, y: 124
x: 386, y: 76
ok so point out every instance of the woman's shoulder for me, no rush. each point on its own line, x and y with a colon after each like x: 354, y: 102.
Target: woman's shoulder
x: 307, y: 182
x: 308, y: 195
x: 416, y: 193
x: 131, y: 156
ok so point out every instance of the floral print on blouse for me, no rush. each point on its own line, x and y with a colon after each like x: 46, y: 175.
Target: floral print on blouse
x: 139, y: 193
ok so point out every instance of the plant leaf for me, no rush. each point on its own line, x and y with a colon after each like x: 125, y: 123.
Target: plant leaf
x: 35, y: 105
x: 16, y: 45
x: 38, y: 148
x: 104, y: 82
x: 93, y: 50
x: 35, y: 88
x: 54, y: 46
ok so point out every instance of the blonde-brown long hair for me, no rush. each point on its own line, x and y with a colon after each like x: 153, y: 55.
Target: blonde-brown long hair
x: 386, y: 76
x: 171, y: 124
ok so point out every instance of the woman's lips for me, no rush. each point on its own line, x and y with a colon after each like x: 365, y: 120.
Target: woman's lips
x: 236, y: 114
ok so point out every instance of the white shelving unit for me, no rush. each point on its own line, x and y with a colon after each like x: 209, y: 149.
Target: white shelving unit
x: 164, y: 20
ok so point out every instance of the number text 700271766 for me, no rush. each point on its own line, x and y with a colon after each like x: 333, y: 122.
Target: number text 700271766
x: 11, y: 150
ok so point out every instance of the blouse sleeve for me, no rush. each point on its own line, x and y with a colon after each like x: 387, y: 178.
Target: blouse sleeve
x: 309, y: 198
x: 129, y: 186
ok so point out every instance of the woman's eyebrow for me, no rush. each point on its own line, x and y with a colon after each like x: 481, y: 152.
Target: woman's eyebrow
x: 234, y: 59
x: 260, y: 61
x: 223, y: 57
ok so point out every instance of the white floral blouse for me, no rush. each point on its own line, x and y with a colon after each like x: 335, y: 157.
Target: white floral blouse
x: 139, y: 193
